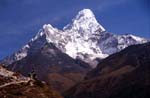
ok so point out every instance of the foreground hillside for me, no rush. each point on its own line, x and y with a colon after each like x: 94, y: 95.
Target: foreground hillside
x: 14, y: 85
x: 25, y: 90
x: 122, y: 75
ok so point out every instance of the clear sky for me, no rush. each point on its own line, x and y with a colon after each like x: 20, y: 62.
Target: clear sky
x: 20, y: 20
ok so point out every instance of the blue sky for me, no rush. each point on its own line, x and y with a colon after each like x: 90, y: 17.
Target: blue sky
x: 20, y: 20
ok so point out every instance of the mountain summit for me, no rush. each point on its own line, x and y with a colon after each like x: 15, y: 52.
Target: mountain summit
x: 84, y: 38
x: 85, y: 21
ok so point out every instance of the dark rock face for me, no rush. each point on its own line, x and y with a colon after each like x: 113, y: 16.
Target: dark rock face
x: 52, y: 66
x: 125, y: 74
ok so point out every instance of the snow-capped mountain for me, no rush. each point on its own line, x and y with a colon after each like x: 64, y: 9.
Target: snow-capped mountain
x: 84, y: 38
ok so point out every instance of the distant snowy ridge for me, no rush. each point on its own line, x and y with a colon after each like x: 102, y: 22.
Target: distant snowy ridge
x: 84, y: 38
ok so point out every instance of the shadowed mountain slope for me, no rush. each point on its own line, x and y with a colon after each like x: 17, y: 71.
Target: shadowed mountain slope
x: 125, y: 74
x: 52, y: 66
